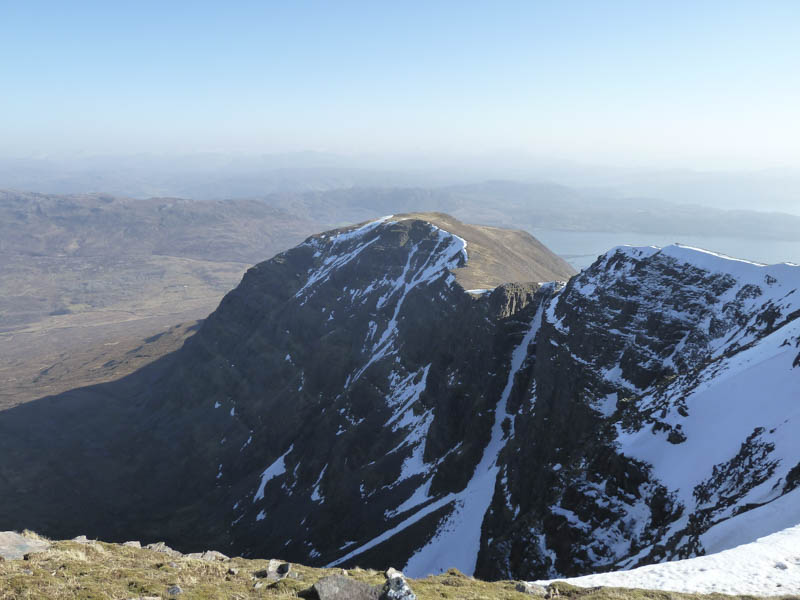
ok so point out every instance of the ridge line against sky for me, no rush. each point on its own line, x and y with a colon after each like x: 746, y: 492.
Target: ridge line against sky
x: 704, y: 83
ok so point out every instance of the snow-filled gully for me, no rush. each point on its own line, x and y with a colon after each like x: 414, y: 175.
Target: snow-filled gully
x: 457, y: 540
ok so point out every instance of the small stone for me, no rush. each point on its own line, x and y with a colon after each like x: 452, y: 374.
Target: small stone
x: 81, y: 539
x: 533, y: 589
x: 132, y: 544
x: 233, y: 571
x: 172, y: 564
x: 258, y: 585
x: 174, y: 590
x: 27, y: 572
x: 344, y: 572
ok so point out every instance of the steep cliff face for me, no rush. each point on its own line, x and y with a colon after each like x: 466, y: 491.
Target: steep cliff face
x: 353, y: 384
x: 661, y: 407
x: 380, y: 394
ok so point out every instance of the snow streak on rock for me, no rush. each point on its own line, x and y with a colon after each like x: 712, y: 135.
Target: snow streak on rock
x: 336, y: 260
x: 421, y: 268
x: 274, y: 470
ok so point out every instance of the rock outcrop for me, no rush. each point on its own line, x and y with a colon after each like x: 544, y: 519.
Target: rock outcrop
x: 14, y: 546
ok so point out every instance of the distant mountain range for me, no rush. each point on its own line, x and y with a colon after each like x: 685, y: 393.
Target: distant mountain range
x: 532, y: 206
x: 216, y: 176
x: 425, y: 393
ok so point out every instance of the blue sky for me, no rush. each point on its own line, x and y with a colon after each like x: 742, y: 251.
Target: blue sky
x: 616, y: 82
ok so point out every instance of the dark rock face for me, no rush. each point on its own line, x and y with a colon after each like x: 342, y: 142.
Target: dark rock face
x: 351, y: 403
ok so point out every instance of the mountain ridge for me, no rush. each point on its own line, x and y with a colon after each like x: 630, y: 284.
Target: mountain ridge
x: 351, y: 401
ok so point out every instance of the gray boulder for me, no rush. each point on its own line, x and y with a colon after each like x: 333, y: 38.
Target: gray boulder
x: 14, y: 546
x: 209, y: 556
x: 163, y: 548
x: 338, y: 587
x: 396, y: 588
x: 392, y: 572
x: 213, y: 555
x: 533, y: 589
x: 280, y: 569
x: 276, y: 569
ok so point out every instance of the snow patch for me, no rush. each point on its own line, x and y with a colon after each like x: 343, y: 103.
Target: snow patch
x: 770, y: 566
x: 276, y: 469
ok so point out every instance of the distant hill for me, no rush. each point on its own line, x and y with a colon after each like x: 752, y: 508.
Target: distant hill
x: 62, y: 255
x: 78, y: 272
x: 532, y: 206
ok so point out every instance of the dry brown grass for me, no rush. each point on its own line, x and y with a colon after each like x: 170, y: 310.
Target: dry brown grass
x: 100, y: 571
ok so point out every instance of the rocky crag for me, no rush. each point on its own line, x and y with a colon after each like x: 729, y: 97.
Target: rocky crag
x: 421, y: 392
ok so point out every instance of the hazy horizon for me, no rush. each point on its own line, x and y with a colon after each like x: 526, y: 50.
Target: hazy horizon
x: 216, y: 176
x: 689, y: 85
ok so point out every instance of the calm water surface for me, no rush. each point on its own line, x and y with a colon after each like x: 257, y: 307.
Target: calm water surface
x: 581, y: 249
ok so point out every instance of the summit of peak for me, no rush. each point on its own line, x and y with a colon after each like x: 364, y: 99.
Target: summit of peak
x: 495, y: 255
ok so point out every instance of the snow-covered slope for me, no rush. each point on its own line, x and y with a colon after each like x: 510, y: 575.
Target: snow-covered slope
x: 769, y: 566
x: 732, y: 408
